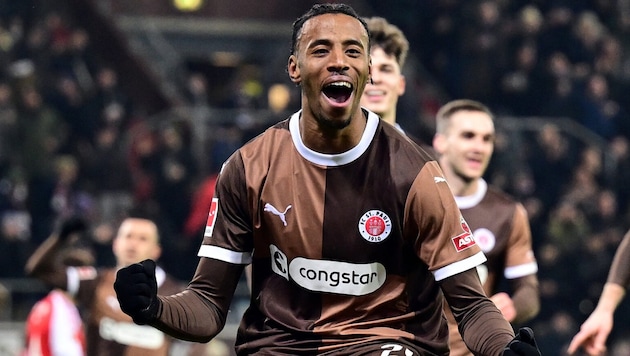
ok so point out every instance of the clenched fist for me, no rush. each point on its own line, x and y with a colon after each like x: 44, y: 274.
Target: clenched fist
x: 136, y: 289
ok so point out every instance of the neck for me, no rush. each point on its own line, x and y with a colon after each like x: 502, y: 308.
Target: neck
x: 390, y: 118
x: 459, y: 186
x: 323, y: 138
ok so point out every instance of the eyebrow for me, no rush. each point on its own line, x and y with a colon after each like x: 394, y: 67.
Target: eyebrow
x: 328, y: 42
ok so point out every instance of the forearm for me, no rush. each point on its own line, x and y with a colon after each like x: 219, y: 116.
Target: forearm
x: 610, y: 298
x: 482, y: 326
x: 526, y: 298
x: 187, y: 317
x: 199, y: 313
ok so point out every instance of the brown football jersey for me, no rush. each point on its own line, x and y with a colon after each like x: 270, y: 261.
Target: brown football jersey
x: 346, y: 248
x: 500, y: 227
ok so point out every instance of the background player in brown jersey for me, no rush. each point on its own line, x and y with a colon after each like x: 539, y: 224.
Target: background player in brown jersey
x: 109, y: 331
x: 595, y: 330
x: 464, y: 142
x: 353, y: 236
x: 388, y: 52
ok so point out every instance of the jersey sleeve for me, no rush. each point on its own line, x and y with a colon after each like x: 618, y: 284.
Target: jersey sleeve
x: 199, y: 312
x: 228, y: 232
x: 520, y: 260
x: 620, y: 268
x: 444, y: 240
x: 476, y: 315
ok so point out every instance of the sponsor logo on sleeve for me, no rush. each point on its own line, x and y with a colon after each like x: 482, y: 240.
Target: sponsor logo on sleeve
x: 465, y: 239
x: 212, y: 217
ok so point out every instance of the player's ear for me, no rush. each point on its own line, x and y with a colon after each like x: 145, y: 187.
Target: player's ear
x: 439, y: 143
x: 294, y: 70
x: 402, y: 83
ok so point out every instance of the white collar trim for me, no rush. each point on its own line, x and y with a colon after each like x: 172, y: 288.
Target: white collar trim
x: 338, y: 159
x: 470, y: 201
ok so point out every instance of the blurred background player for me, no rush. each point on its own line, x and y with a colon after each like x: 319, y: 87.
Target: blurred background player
x: 54, y: 326
x: 389, y: 48
x: 464, y: 143
x: 388, y: 52
x: 595, y: 330
x: 109, y: 331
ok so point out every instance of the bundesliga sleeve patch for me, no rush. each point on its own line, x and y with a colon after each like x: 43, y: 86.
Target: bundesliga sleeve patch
x: 465, y: 239
x: 212, y: 217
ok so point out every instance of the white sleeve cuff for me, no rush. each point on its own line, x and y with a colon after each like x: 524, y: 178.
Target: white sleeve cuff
x: 459, y: 266
x: 223, y: 254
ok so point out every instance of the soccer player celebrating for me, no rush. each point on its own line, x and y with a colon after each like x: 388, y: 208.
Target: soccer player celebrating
x: 464, y: 142
x: 352, y: 233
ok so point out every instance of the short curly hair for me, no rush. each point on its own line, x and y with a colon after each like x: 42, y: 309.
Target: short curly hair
x: 322, y: 9
x: 389, y: 38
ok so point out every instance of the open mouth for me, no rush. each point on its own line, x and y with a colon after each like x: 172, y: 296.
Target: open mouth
x: 338, y: 92
x: 375, y: 93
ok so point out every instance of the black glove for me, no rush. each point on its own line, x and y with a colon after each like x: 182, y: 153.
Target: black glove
x: 71, y: 226
x: 136, y: 289
x: 523, y: 344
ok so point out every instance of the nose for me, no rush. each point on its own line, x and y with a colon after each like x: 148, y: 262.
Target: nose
x: 375, y: 76
x: 482, y: 145
x: 338, y: 62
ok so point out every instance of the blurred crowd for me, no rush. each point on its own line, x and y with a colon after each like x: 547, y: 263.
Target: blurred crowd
x: 73, y: 142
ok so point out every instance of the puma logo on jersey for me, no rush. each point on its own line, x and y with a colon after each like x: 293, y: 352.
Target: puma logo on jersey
x: 439, y: 179
x: 282, y: 215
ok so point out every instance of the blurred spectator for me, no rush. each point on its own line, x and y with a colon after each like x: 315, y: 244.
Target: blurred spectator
x: 522, y: 84
x: 69, y: 197
x: 175, y: 173
x: 108, y: 102
x: 15, y: 247
x: 8, y: 129
x: 550, y: 160
x: 559, y: 77
x: 69, y: 101
x: 41, y: 134
x: 597, y: 111
x: 483, y: 49
x: 107, y: 174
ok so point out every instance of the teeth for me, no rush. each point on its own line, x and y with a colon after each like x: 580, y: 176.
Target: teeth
x: 341, y: 84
